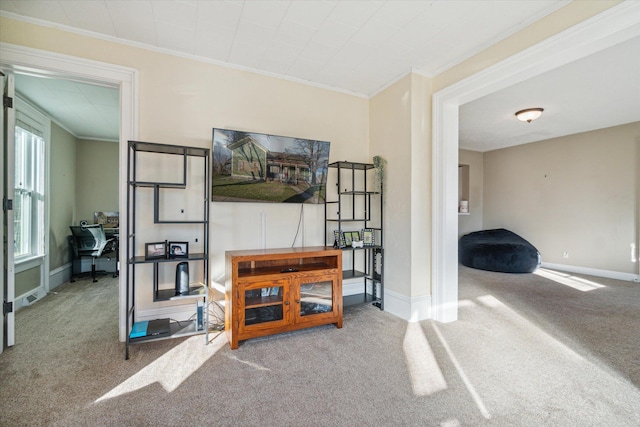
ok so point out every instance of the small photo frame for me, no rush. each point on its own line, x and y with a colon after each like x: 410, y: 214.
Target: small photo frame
x: 347, y: 238
x: 178, y: 249
x: 339, y: 239
x: 107, y: 219
x: 155, y: 250
x: 355, y: 236
x: 368, y: 237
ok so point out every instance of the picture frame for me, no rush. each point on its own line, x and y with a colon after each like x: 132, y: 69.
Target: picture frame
x: 355, y: 236
x: 178, y: 249
x: 347, y: 238
x: 155, y: 250
x: 368, y: 237
x: 339, y: 239
x: 256, y: 167
x: 107, y: 219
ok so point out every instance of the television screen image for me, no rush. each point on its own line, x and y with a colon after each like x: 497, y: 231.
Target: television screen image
x: 256, y: 167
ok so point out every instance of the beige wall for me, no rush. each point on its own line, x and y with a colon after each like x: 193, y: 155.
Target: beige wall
x: 473, y: 221
x: 390, y: 126
x: 400, y: 128
x: 96, y: 186
x: 62, y: 173
x: 421, y: 91
x: 577, y: 194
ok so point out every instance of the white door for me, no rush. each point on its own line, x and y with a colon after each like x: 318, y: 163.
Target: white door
x: 8, y: 289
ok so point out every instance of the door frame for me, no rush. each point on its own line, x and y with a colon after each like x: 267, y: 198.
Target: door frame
x: 611, y: 27
x: 7, y: 285
x: 20, y: 59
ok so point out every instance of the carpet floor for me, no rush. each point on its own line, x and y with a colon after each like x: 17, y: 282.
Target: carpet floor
x: 548, y: 349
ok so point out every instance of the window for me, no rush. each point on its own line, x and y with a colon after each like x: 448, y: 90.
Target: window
x: 29, y: 197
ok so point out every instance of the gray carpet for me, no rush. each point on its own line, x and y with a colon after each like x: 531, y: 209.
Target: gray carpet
x: 526, y: 351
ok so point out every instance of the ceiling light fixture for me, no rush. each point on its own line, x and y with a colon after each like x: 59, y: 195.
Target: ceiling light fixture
x: 529, y: 114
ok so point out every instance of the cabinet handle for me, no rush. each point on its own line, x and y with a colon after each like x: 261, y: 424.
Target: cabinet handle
x: 286, y: 303
x: 297, y: 301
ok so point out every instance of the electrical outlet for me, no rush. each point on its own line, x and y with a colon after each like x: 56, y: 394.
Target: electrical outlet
x: 565, y: 254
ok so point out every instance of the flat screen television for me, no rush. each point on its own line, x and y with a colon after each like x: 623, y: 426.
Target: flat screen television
x: 256, y: 167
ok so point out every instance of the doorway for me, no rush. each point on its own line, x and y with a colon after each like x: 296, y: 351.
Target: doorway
x: 23, y: 60
x: 618, y: 24
x: 80, y: 171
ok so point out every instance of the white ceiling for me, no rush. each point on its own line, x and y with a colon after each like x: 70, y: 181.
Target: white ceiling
x: 595, y: 92
x: 87, y: 111
x: 357, y: 47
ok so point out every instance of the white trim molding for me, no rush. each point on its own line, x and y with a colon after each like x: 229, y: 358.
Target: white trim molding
x: 59, y: 275
x: 627, y: 277
x: 411, y: 309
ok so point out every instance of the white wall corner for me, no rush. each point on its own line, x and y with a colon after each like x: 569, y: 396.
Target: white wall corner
x: 411, y: 309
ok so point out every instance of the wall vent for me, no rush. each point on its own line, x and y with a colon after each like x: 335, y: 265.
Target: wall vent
x: 29, y: 299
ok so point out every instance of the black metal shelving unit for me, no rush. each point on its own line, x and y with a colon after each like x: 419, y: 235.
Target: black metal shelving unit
x: 136, y: 262
x: 358, y: 206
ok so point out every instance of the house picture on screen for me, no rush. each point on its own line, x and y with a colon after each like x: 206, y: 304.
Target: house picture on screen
x: 255, y: 167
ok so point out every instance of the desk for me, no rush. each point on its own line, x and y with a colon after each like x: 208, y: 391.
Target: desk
x: 112, y: 233
x: 107, y: 263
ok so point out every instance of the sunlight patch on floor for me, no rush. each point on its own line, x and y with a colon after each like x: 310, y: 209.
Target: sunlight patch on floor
x: 525, y: 325
x: 472, y: 390
x: 253, y: 365
x: 466, y: 303
x: 424, y: 371
x: 578, y: 283
x: 192, y: 354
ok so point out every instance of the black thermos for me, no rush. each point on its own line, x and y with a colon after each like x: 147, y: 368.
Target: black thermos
x: 182, y: 278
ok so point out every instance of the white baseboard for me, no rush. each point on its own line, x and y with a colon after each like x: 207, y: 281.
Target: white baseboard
x: 29, y: 298
x: 402, y: 306
x: 412, y: 309
x: 629, y: 277
x: 59, y: 275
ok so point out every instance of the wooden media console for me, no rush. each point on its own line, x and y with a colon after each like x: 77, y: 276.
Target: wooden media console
x: 269, y: 291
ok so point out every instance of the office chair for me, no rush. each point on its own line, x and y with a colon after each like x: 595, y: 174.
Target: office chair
x: 90, y: 240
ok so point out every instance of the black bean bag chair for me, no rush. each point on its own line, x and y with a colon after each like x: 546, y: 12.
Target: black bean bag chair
x: 498, y: 250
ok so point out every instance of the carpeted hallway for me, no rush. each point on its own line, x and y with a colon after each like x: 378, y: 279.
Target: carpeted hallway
x: 526, y: 350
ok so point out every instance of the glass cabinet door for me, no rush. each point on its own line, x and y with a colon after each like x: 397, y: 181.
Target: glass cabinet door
x: 315, y: 298
x: 263, y: 303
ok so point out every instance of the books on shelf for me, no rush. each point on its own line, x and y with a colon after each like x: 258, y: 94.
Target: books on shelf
x: 139, y: 329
